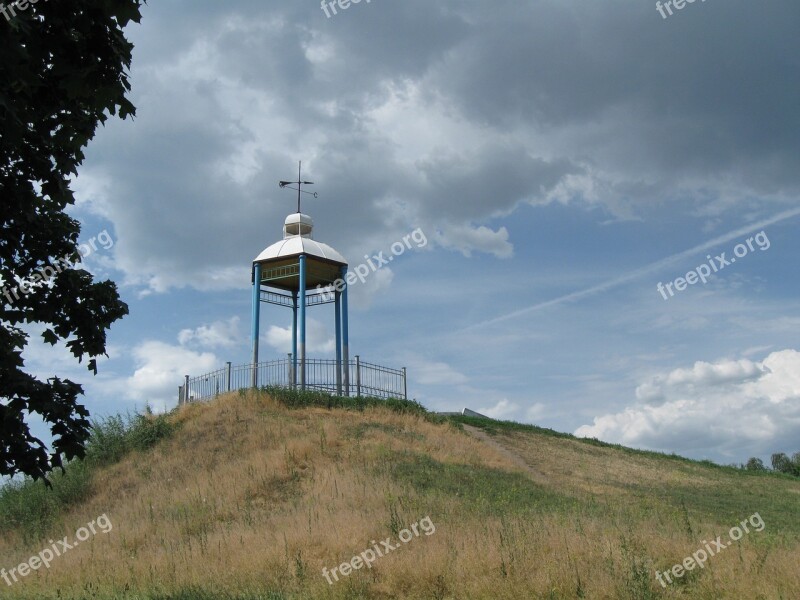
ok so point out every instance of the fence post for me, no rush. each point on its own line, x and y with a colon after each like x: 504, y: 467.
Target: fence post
x: 228, y: 376
x: 289, y: 372
x: 180, y: 395
x: 358, y: 376
x: 405, y: 385
x: 186, y: 389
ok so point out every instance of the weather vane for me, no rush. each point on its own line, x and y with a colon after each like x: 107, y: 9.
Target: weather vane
x: 299, y: 184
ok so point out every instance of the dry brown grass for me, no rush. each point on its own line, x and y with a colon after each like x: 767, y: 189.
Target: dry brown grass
x: 249, y: 497
x: 571, y: 464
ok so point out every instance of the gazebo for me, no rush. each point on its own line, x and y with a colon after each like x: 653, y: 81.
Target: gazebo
x: 283, y: 274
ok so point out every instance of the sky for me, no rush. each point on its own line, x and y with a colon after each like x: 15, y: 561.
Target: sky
x: 566, y: 160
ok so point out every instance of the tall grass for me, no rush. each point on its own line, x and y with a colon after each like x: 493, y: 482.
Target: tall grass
x: 31, y: 508
x: 251, y: 499
x: 311, y: 398
x: 114, y: 437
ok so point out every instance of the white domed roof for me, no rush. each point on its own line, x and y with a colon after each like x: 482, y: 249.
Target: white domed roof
x: 297, y: 239
x: 294, y: 246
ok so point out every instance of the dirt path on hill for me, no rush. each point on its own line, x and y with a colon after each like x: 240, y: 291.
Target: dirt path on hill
x: 515, y: 458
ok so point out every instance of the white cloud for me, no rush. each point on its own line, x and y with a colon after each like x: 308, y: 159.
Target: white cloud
x: 467, y: 238
x: 781, y: 380
x: 44, y: 361
x: 160, y: 369
x: 703, y: 374
x: 361, y: 295
x: 502, y: 410
x: 435, y: 373
x: 717, y: 409
x: 535, y: 412
x: 317, y: 338
x: 505, y: 409
x: 220, y: 334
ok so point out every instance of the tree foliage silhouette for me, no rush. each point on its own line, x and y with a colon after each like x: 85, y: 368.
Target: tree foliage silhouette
x: 64, y: 70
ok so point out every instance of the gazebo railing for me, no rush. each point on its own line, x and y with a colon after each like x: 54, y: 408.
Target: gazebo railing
x: 365, y: 379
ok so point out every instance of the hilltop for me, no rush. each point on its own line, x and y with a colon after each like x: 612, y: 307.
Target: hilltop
x: 248, y: 497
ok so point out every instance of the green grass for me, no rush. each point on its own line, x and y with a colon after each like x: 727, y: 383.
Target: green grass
x: 32, y: 508
x: 483, y: 490
x: 729, y: 495
x: 727, y: 502
x: 310, y: 398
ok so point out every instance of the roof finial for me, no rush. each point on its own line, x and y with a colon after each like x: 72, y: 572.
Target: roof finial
x: 299, y: 184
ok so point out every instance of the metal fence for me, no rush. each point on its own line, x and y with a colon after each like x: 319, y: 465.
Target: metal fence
x: 365, y: 379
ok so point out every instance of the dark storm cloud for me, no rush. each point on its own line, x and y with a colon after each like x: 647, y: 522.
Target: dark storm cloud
x: 584, y: 102
x: 715, y: 89
x: 504, y: 174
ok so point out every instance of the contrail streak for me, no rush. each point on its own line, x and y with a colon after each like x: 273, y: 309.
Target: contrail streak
x: 636, y: 274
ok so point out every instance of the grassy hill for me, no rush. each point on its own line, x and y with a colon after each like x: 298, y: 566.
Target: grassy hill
x: 248, y: 497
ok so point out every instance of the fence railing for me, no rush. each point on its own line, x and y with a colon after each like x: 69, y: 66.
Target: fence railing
x: 365, y: 379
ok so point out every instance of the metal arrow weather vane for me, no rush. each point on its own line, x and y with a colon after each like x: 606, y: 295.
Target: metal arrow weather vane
x: 299, y: 184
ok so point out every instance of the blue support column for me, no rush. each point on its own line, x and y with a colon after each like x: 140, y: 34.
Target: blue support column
x: 294, y: 340
x: 255, y: 321
x: 302, y: 321
x: 338, y: 306
x: 345, y: 336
